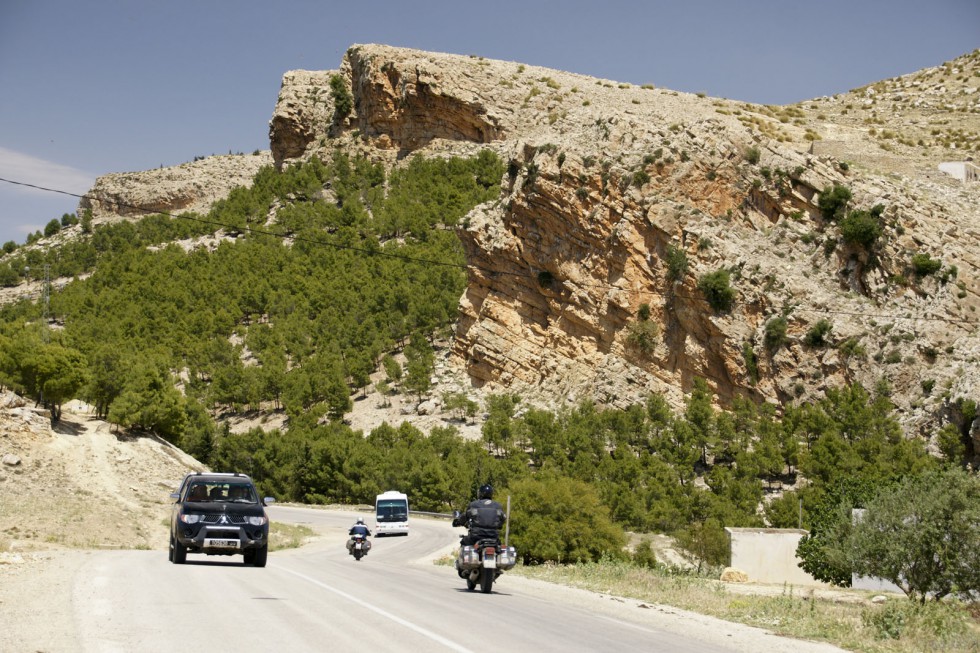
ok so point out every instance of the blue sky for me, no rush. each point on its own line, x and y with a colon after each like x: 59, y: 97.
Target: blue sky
x: 89, y: 88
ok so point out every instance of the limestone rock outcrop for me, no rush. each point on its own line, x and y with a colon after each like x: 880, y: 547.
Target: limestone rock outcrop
x: 620, y: 200
x: 304, y: 112
x: 193, y: 186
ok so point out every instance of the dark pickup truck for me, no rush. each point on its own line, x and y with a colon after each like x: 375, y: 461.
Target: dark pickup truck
x: 219, y: 514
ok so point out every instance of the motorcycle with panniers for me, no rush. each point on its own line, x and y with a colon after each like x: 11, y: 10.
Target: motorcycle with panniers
x: 483, y: 562
x: 358, y: 546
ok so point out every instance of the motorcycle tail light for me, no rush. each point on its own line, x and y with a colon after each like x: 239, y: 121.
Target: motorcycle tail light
x: 490, y: 551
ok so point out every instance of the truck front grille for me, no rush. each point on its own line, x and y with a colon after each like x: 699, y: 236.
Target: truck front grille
x: 223, y: 518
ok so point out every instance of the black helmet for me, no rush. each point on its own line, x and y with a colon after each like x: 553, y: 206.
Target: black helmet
x: 485, y: 492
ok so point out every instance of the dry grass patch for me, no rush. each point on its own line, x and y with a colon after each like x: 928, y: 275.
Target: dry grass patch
x: 853, y: 623
x: 288, y: 536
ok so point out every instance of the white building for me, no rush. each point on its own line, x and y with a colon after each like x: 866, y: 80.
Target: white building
x: 965, y: 171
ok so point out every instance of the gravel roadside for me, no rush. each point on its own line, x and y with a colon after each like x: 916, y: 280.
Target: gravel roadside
x: 36, y: 608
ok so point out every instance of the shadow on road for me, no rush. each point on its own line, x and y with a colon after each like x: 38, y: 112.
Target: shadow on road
x: 68, y: 428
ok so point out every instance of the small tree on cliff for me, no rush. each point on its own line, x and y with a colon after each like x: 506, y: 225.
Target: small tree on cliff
x: 343, y: 102
x: 716, y: 288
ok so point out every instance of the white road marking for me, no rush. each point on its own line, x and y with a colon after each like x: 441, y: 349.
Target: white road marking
x: 408, y: 624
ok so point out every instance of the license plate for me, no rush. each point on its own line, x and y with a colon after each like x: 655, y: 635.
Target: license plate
x: 489, y: 563
x: 358, y: 545
x: 215, y: 543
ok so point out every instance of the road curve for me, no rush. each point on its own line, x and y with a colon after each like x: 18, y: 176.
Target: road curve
x: 318, y: 598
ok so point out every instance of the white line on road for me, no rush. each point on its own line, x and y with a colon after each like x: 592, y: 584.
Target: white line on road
x: 408, y: 624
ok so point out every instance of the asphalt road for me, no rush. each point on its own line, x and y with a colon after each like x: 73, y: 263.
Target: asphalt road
x: 318, y: 598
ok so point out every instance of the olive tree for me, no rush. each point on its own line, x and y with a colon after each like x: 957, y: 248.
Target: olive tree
x: 922, y: 534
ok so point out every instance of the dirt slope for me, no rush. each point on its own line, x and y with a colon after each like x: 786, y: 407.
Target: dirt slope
x: 82, y: 483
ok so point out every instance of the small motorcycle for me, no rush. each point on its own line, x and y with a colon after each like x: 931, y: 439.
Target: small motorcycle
x: 359, y: 546
x: 482, y: 563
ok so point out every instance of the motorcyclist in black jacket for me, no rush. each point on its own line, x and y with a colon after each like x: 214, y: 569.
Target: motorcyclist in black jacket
x: 483, y: 517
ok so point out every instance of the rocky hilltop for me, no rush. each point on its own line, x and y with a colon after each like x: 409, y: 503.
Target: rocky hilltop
x: 619, y: 199
x: 187, y: 187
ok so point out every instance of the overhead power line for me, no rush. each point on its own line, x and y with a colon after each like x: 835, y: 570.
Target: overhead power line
x: 424, y: 261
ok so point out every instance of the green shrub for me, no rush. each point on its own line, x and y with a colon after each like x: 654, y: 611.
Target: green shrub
x: 459, y: 404
x: 852, y: 348
x: 817, y: 335
x: 676, y: 263
x: 861, y: 228
x: 888, y: 621
x: 717, y: 290
x: 776, y: 333
x: 640, y: 178
x: 833, y: 202
x: 829, y: 245
x: 343, y: 102
x: 560, y: 519
x: 752, y: 155
x: 642, y: 335
x: 532, y: 175
x: 644, y: 556
x: 923, y: 265
x: 751, y: 362
x: 706, y: 541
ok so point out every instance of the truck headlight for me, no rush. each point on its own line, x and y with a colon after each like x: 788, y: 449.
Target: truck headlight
x: 190, y: 519
x: 258, y: 521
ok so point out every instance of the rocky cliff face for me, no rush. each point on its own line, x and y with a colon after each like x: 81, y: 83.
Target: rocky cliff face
x: 609, y: 182
x: 191, y: 186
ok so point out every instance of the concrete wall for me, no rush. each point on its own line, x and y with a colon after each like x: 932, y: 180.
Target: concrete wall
x: 768, y: 555
x: 874, y: 584
x: 962, y: 170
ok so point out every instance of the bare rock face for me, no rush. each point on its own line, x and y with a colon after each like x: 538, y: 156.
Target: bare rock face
x: 421, y: 98
x: 186, y: 187
x: 304, y: 112
x: 618, y: 202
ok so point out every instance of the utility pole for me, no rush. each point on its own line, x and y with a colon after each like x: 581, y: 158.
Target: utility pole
x: 46, y: 292
x: 46, y: 301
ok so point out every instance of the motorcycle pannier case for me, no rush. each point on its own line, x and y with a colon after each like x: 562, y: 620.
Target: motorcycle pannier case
x: 469, y: 558
x: 507, y: 558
